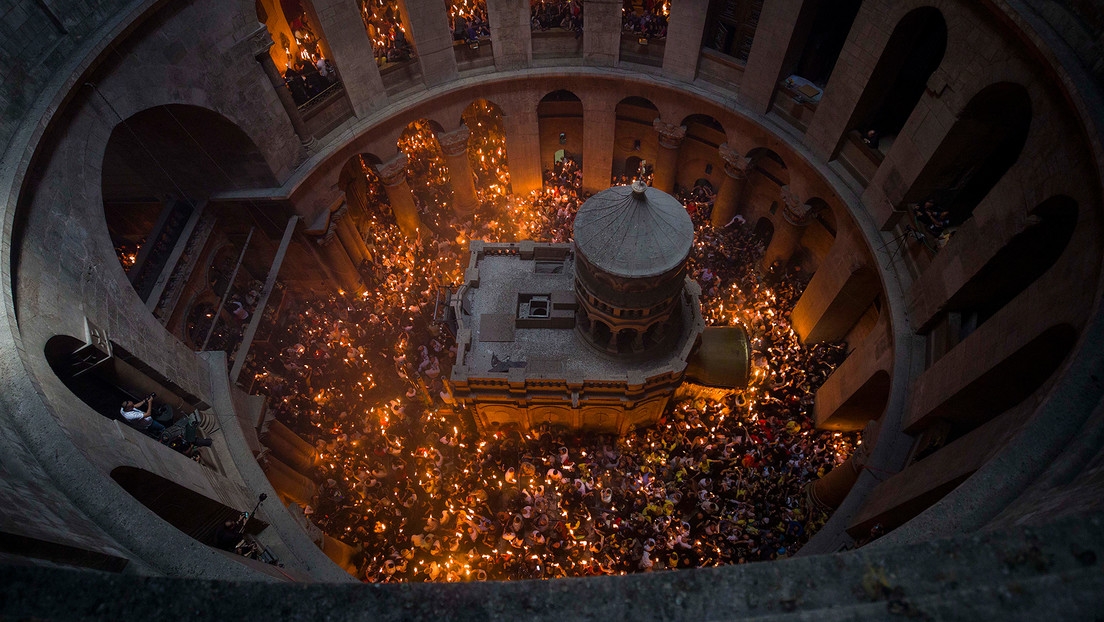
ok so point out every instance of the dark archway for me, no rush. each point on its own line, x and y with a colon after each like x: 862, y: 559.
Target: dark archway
x: 1026, y: 257
x: 822, y: 27
x: 487, y: 147
x: 560, y: 119
x: 192, y: 513
x: 159, y: 164
x: 981, y: 146
x: 764, y: 231
x: 913, y: 52
x: 635, y: 140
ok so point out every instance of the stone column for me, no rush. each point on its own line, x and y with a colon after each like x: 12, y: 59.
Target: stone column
x: 338, y: 260
x: 727, y: 201
x: 289, y: 446
x: 829, y: 491
x: 511, y: 40
x: 773, y: 37
x: 666, y: 166
x: 454, y: 145
x: 432, y: 40
x: 602, y: 32
x: 787, y: 236
x: 291, y: 484
x: 684, y: 37
x: 841, y: 290
x: 350, y: 237
x: 599, y: 124
x: 393, y: 175
x: 351, y: 48
x: 857, y: 391
x: 522, y: 144
x: 260, y: 42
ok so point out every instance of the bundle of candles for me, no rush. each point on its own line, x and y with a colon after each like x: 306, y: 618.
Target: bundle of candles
x: 410, y: 483
x: 487, y: 150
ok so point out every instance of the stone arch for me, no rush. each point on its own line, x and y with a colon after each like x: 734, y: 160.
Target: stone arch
x: 191, y: 512
x: 984, y: 142
x: 487, y: 145
x: 634, y: 136
x: 1016, y: 266
x: 826, y: 25
x: 364, y: 192
x: 698, y: 155
x: 914, y: 51
x: 426, y: 169
x: 159, y: 164
x: 560, y: 123
x: 767, y: 174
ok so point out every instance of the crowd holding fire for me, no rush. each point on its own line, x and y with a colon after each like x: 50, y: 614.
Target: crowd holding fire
x: 423, y: 496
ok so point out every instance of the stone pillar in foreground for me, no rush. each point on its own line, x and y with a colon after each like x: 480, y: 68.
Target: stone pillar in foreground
x: 350, y: 237
x: 454, y: 145
x: 289, y: 483
x: 787, y: 236
x: 338, y: 260
x: 727, y: 201
x: 289, y: 446
x: 260, y: 42
x: 666, y: 165
x: 393, y: 175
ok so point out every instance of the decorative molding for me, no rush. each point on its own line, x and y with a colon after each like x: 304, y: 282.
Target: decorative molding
x: 670, y: 135
x: 796, y: 212
x: 259, y: 41
x: 455, y: 142
x: 393, y: 171
x: 735, y: 165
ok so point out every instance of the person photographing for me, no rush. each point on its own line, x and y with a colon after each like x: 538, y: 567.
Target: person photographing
x: 140, y: 419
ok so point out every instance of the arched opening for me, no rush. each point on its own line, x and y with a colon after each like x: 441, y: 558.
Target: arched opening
x: 767, y: 174
x: 913, y: 53
x: 426, y: 170
x: 626, y: 341
x: 487, y: 148
x: 192, y: 513
x: 387, y: 25
x: 158, y: 166
x: 364, y: 192
x: 819, y: 234
x: 300, y: 51
x: 103, y: 375
x: 763, y: 231
x: 699, y: 157
x: 985, y: 141
x: 601, y: 332
x: 731, y: 25
x: 822, y: 29
x: 1026, y: 257
x: 866, y: 403
x: 635, y: 140
x: 560, y: 117
x: 1006, y: 384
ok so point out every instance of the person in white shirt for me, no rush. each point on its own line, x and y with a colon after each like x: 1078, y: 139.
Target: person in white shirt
x: 138, y: 419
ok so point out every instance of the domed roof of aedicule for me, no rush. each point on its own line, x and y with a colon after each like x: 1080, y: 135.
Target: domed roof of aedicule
x: 633, y: 231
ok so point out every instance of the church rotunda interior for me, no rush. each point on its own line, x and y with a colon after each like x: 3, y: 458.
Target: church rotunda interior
x: 261, y: 214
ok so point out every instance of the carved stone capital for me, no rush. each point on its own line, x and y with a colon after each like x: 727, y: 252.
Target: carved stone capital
x: 670, y: 135
x: 735, y: 165
x: 794, y: 210
x: 455, y: 142
x: 339, y: 213
x: 259, y: 41
x: 393, y: 171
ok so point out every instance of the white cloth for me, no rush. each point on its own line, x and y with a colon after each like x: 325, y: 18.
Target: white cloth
x: 136, y: 418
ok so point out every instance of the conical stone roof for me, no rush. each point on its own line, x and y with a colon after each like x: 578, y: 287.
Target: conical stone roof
x: 633, y: 231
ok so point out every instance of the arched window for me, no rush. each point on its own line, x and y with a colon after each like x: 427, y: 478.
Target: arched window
x: 426, y: 169
x: 487, y: 147
x: 913, y: 53
x: 635, y: 140
x: 159, y: 165
x: 821, y: 31
x: 560, y: 117
x: 984, y: 142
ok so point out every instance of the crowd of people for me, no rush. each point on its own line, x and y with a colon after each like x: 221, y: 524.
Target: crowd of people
x: 384, y: 25
x: 423, y: 496
x: 468, y: 20
x: 565, y: 14
x: 649, y: 20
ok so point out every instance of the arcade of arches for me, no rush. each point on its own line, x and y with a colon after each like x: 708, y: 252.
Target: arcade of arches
x: 908, y: 230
